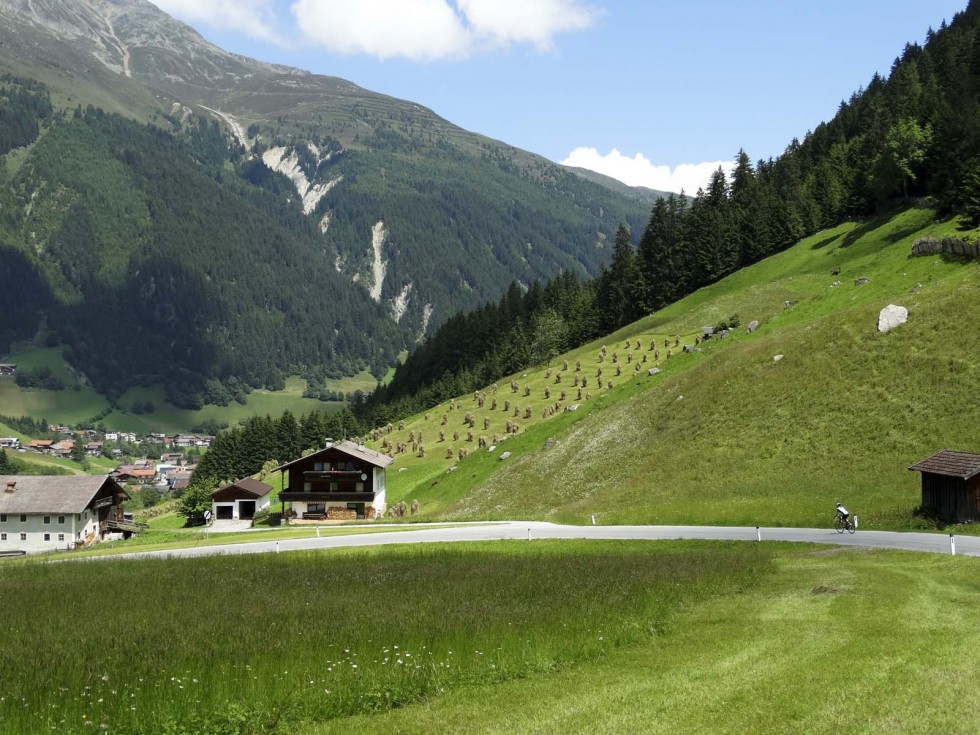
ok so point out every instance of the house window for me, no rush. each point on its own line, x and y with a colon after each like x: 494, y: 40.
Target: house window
x: 23, y: 537
x: 61, y: 520
x: 23, y: 518
x: 359, y: 487
x: 333, y: 487
x: 316, y: 508
x: 3, y: 537
x: 61, y: 537
x: 47, y: 537
x: 307, y: 487
x: 318, y: 467
x: 47, y: 520
x: 3, y: 517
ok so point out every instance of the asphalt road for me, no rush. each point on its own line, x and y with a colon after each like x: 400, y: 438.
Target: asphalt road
x: 524, y: 530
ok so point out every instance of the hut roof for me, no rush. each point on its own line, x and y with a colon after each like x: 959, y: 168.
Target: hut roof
x: 249, y: 485
x: 964, y: 465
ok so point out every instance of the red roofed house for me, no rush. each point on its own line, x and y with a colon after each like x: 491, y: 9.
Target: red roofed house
x: 345, y: 481
x: 951, y: 486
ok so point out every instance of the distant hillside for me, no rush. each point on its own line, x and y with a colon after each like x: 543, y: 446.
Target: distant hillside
x: 640, y: 193
x: 426, y: 217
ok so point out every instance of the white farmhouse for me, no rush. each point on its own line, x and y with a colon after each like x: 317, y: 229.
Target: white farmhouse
x: 51, y: 513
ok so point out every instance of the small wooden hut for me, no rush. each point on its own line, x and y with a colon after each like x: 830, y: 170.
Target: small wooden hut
x: 951, y: 485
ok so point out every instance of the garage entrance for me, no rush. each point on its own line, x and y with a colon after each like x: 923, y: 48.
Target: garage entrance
x: 246, y: 509
x: 225, y: 512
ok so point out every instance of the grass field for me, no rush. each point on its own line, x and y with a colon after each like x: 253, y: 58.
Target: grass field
x: 729, y: 435
x: 80, y: 403
x: 830, y: 641
x: 514, y: 637
x: 261, y: 644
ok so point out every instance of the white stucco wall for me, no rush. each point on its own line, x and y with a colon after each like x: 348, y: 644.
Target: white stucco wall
x: 84, y: 524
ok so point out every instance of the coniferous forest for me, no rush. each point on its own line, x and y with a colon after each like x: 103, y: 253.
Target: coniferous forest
x: 913, y: 137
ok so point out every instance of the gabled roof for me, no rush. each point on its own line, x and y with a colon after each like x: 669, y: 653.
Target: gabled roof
x: 349, y: 448
x: 248, y: 486
x: 52, y: 494
x: 964, y: 465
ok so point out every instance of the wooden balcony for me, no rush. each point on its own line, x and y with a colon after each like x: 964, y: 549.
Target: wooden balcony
x: 327, y: 497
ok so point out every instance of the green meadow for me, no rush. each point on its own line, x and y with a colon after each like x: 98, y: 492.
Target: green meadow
x: 730, y: 435
x: 263, y: 644
x: 510, y: 637
x: 80, y: 403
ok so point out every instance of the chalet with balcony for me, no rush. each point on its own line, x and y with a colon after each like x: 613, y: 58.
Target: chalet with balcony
x: 58, y: 513
x: 344, y: 481
x: 7, y: 369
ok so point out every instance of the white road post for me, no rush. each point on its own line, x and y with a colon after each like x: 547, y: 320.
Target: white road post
x: 758, y: 533
x: 593, y: 519
x: 318, y: 532
x: 277, y: 547
x: 952, y: 544
x: 529, y: 533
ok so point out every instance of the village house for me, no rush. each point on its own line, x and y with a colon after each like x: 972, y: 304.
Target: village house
x: 61, y: 449
x: 46, y: 513
x: 112, y: 436
x: 141, y: 473
x: 9, y: 442
x: 38, y: 445
x: 344, y: 481
x: 7, y: 369
x: 94, y: 449
x: 951, y: 486
x: 174, y: 458
x: 241, y: 500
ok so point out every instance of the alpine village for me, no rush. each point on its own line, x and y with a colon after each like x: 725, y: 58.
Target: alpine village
x: 273, y: 346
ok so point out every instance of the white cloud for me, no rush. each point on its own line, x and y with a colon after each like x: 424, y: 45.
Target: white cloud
x: 639, y: 171
x: 433, y: 29
x: 255, y: 18
x: 416, y: 29
x: 526, y: 21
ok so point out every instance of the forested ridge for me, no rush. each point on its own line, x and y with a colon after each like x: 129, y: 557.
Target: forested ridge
x: 152, y: 259
x: 913, y: 136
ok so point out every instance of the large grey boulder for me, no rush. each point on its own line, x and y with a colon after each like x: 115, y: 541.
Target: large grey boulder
x: 753, y: 325
x: 892, y: 316
x: 653, y: 371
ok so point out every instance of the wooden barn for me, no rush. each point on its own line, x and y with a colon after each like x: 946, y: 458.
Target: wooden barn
x: 342, y: 482
x: 241, y: 500
x: 951, y: 485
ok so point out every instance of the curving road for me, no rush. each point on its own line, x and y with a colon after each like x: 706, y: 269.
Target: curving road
x: 523, y: 530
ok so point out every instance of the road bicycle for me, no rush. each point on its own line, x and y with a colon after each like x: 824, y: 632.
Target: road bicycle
x: 843, y: 524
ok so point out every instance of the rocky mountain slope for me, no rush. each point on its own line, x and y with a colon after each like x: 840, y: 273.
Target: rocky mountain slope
x: 460, y: 216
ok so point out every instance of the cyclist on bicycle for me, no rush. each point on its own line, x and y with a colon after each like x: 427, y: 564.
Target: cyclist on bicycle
x: 842, y: 513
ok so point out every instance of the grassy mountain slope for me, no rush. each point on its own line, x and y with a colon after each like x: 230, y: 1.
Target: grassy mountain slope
x: 729, y: 435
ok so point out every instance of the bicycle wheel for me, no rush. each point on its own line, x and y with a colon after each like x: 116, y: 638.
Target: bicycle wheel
x: 850, y: 527
x: 839, y: 524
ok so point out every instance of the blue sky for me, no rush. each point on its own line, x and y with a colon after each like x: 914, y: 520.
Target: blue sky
x: 654, y: 93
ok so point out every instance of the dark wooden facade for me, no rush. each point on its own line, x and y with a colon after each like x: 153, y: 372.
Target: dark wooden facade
x: 344, y: 474
x: 951, y: 486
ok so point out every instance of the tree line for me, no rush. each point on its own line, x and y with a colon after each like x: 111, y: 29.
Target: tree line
x: 260, y: 443
x: 911, y: 137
